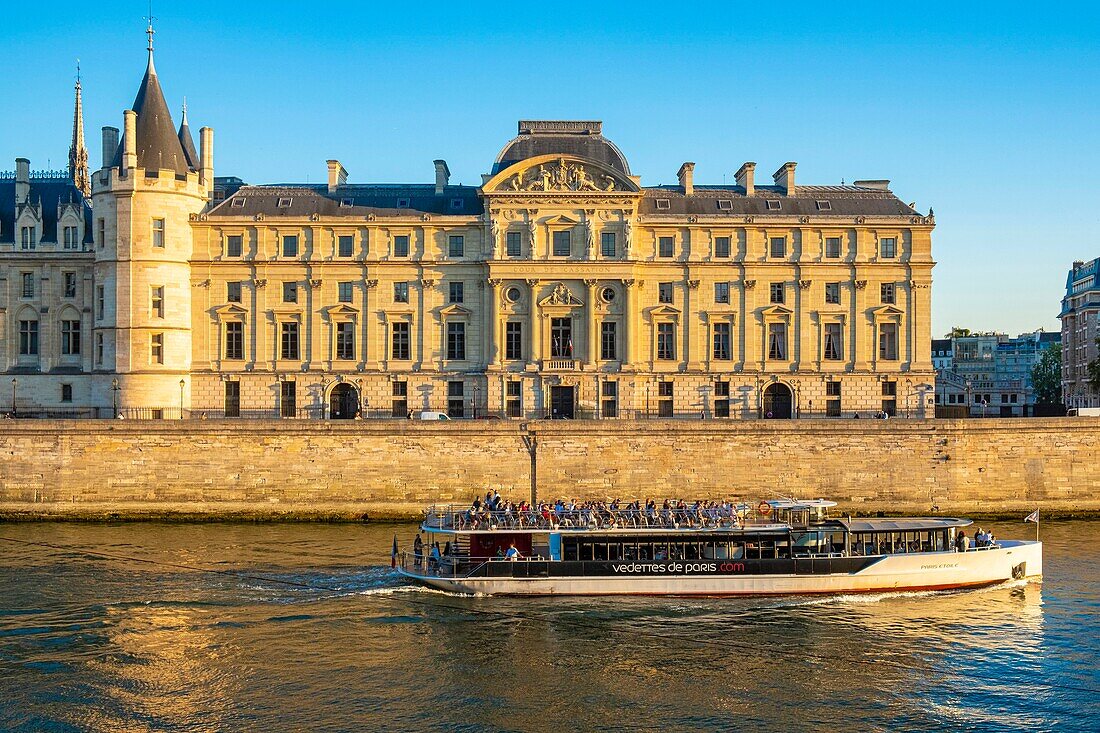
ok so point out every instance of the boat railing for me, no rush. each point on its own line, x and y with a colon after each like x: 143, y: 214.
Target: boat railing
x: 465, y: 518
x: 455, y: 566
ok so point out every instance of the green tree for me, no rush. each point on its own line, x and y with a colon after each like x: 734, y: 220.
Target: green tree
x: 957, y: 332
x: 1093, y: 370
x: 1046, y: 376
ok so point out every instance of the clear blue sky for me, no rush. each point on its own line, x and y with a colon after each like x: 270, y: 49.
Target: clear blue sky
x: 991, y: 115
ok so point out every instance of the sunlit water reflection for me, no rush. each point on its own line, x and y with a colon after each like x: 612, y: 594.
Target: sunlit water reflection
x: 304, y: 627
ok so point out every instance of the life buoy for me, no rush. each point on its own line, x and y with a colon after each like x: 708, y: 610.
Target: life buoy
x: 764, y: 508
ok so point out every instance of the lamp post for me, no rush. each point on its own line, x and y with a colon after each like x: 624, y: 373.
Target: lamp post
x: 182, y: 385
x: 476, y: 391
x: 114, y: 398
x: 14, y: 409
x: 646, y: 400
x: 908, y: 394
x: 969, y: 384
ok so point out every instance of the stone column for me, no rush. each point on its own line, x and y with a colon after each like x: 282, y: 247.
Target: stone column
x: 593, y: 336
x: 863, y: 348
x: 689, y: 318
x: 753, y: 332
x: 493, y: 349
x: 629, y: 331
x: 533, y: 319
x: 364, y: 327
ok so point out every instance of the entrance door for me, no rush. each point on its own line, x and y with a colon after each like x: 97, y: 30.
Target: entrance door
x: 561, y: 403
x: 343, y: 402
x: 777, y: 401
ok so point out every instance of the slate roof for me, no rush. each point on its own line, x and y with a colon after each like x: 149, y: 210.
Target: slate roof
x: 158, y: 144
x: 592, y: 146
x: 845, y: 201
x: 351, y: 200
x: 50, y: 191
x: 188, y: 144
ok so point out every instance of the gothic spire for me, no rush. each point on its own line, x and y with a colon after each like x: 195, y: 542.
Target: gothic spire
x: 78, y: 153
x: 186, y: 141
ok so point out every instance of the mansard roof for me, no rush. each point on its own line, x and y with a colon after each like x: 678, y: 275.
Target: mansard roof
x: 561, y: 137
x: 844, y: 201
x: 382, y: 200
x: 51, y: 191
x: 158, y: 144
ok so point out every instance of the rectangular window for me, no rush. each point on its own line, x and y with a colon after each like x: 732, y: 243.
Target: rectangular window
x: 233, y: 292
x: 607, y: 244
x: 28, y: 284
x: 666, y: 340
x: 608, y: 341
x: 399, y: 337
x: 290, y: 245
x: 888, y: 341
x: 101, y: 233
x: 777, y: 292
x: 288, y: 399
x: 515, y: 398
x: 664, y: 403
x: 832, y: 248
x: 513, y: 244
x: 345, y: 340
x: 399, y: 405
x: 70, y: 338
x: 778, y: 247
x: 345, y: 245
x: 158, y: 233
x: 345, y: 291
x: 456, y: 340
x: 888, y: 293
x: 29, y: 241
x: 100, y: 301
x: 71, y: 238
x: 722, y: 341
x: 70, y: 284
x: 609, y: 393
x: 456, y: 404
x: 832, y: 401
x: 562, y: 243
x: 513, y: 340
x: 233, y: 245
x: 290, y: 292
x: 722, y: 293
x: 561, y: 338
x: 400, y: 292
x: 888, y: 247
x: 99, y: 349
x: 454, y: 292
x: 28, y: 338
x: 156, y: 348
x: 156, y: 303
x: 288, y: 341
x: 834, y: 350
x: 401, y: 245
x: 664, y: 292
x: 832, y: 293
x: 666, y: 246
x: 777, y: 341
x: 66, y: 393
x: 456, y: 245
x: 234, y: 340
x: 722, y: 247
x: 722, y: 399
x: 232, y: 399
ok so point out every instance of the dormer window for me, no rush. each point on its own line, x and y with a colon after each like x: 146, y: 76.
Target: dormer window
x: 773, y: 204
x: 725, y: 204
x: 663, y: 204
x: 27, y: 238
x: 345, y: 203
x: 283, y: 203
x: 238, y: 203
x: 403, y: 203
x: 456, y: 204
x: 824, y: 205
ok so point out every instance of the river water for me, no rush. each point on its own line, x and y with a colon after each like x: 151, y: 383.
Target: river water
x: 304, y: 627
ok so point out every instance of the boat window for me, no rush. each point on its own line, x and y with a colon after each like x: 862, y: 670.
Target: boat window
x: 569, y: 552
x: 586, y: 551
x: 660, y: 551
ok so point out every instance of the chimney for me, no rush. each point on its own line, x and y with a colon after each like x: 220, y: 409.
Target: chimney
x: 784, y: 178
x: 1078, y: 264
x: 744, y: 177
x: 129, y: 140
x: 206, y: 159
x: 110, y: 145
x: 337, y: 175
x: 686, y: 174
x: 442, y: 176
x: 22, y: 180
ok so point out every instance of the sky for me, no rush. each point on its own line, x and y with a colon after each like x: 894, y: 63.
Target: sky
x: 988, y: 113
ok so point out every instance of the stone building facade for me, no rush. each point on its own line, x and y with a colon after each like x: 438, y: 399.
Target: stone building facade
x: 561, y: 286
x: 1080, y: 331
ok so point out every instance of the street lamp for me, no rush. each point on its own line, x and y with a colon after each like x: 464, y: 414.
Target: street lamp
x: 182, y: 383
x: 14, y: 409
x: 476, y: 390
x: 646, y: 400
x: 114, y: 397
x: 969, y: 384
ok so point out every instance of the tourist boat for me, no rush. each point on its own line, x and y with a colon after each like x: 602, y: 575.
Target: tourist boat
x: 774, y: 547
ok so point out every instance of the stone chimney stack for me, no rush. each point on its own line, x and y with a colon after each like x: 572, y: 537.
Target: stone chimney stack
x: 784, y: 178
x: 337, y: 175
x: 129, y: 140
x: 442, y: 176
x: 206, y: 159
x: 686, y: 174
x: 744, y: 176
x: 110, y: 145
x: 22, y: 180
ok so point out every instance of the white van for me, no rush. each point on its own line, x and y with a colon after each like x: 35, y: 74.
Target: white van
x: 1083, y: 412
x: 429, y: 415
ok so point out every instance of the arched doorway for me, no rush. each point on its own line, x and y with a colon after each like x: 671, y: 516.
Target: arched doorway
x: 777, y: 401
x: 343, y: 403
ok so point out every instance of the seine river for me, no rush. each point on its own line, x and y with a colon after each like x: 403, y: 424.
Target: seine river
x: 304, y: 628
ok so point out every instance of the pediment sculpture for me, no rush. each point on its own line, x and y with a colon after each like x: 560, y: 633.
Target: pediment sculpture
x: 561, y: 176
x: 561, y: 295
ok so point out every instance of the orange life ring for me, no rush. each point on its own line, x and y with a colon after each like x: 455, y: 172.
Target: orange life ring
x: 764, y: 508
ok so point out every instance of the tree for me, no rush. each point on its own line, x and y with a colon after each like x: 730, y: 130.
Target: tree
x: 1093, y: 370
x: 957, y: 332
x: 1046, y: 377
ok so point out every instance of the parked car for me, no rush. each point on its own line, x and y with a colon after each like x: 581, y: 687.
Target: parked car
x: 432, y: 415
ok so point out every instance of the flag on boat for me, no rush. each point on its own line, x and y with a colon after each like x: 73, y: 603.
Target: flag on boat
x: 393, y: 553
x: 1033, y: 517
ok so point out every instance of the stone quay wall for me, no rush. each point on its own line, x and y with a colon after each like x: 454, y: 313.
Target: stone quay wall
x: 387, y: 469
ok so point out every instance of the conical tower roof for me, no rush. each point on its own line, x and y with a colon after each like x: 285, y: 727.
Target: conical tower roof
x: 186, y: 142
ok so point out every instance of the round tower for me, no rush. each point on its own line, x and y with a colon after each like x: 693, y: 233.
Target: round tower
x: 143, y: 199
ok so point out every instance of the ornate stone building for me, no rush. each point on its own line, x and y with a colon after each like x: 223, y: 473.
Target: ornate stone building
x: 1080, y: 318
x: 561, y: 286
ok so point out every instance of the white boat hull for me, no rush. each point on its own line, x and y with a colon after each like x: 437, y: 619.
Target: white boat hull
x: 893, y: 573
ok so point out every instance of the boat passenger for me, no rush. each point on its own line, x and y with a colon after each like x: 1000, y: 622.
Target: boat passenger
x: 434, y: 557
x: 962, y: 543
x: 500, y: 554
x: 418, y: 551
x: 513, y: 553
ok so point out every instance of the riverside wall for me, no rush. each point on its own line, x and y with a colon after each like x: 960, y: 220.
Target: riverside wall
x: 92, y: 469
